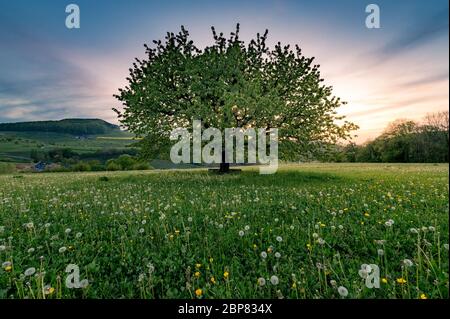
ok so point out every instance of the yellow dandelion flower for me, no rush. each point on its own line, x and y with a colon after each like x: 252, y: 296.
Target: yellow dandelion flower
x: 213, y: 280
x: 401, y: 280
x: 199, y: 292
x: 8, y: 268
x: 226, y: 274
x: 294, y: 285
x: 384, y: 280
x: 322, y: 225
x: 198, y: 265
x: 366, y: 214
x: 423, y: 296
x: 197, y: 274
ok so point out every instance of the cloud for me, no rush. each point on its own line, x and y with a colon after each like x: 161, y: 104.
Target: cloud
x: 426, y: 80
x: 420, y: 33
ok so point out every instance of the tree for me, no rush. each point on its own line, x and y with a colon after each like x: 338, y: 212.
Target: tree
x: 230, y: 84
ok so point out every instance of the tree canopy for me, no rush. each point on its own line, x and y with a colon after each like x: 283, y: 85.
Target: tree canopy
x: 230, y: 84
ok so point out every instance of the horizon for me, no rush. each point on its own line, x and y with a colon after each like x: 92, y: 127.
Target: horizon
x: 50, y: 72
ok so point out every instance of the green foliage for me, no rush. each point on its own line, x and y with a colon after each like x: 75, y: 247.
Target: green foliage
x: 7, y: 168
x: 229, y: 84
x: 81, y: 167
x: 111, y: 165
x: 409, y: 142
x: 126, y: 162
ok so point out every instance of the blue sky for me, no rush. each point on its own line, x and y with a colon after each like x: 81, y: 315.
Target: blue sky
x: 50, y: 72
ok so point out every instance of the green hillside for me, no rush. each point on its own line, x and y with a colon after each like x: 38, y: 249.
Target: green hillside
x: 82, y: 136
x: 67, y: 126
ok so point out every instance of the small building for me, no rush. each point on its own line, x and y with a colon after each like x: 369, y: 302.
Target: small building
x: 40, y: 166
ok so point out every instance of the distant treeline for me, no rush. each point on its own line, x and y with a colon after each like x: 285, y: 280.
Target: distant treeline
x: 67, y: 155
x: 67, y: 126
x: 403, y: 141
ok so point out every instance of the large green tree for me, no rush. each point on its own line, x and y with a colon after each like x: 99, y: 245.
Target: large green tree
x: 230, y: 84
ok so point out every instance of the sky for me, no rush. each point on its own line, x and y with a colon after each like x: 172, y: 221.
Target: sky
x: 399, y: 71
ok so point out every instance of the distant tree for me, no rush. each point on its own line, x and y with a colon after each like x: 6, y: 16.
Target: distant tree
x: 229, y: 84
x: 410, y: 142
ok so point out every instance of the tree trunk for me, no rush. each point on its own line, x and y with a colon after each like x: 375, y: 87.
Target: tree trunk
x: 224, y: 167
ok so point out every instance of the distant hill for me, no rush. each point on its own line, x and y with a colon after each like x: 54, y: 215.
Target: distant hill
x: 67, y: 126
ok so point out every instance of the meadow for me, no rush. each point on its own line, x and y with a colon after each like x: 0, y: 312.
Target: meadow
x: 304, y: 232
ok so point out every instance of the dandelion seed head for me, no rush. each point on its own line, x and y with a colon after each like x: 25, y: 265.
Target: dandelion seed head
x: 261, y: 282
x: 274, y: 280
x: 30, y: 271
x: 343, y: 292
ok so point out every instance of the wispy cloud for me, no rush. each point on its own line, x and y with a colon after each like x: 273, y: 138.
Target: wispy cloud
x: 420, y: 33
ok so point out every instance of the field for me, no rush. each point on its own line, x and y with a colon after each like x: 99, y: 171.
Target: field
x: 16, y: 146
x: 304, y: 232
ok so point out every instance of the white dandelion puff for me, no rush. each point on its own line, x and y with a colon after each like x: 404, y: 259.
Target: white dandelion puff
x: 408, y: 262
x: 274, y: 280
x: 343, y: 292
x: 261, y: 282
x: 30, y: 271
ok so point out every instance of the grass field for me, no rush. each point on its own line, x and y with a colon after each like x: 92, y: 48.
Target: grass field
x: 301, y: 233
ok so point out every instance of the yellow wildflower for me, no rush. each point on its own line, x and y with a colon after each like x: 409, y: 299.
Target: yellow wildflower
x: 8, y: 268
x: 197, y: 274
x: 401, y: 281
x: 226, y: 274
x: 199, y: 292
x: 384, y: 280
x: 213, y: 280
x: 423, y: 296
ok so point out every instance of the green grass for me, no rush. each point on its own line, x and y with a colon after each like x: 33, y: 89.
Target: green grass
x: 168, y: 234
